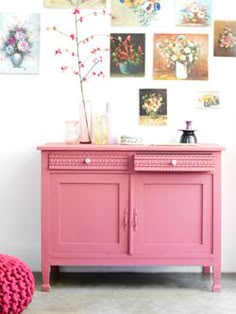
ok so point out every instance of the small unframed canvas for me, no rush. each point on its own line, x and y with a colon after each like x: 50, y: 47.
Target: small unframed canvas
x: 134, y: 12
x: 208, y: 100
x: 180, y: 57
x: 225, y: 38
x: 20, y: 41
x: 127, y: 55
x: 193, y: 12
x: 152, y: 106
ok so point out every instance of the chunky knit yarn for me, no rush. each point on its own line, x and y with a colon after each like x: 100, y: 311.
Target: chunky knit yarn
x: 16, y: 285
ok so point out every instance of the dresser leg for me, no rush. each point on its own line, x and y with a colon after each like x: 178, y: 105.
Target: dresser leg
x: 45, y: 277
x: 206, y: 270
x: 216, y: 279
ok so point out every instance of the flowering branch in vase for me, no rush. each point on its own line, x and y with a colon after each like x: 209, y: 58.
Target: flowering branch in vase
x: 86, y: 66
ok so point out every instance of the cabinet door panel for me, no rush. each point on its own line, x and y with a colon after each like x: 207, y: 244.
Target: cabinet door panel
x: 87, y: 213
x: 175, y: 214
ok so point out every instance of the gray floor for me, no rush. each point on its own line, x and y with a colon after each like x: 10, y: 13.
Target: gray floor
x: 134, y: 293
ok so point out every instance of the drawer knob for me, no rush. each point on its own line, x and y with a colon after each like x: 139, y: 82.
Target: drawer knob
x: 87, y: 161
x: 173, y: 162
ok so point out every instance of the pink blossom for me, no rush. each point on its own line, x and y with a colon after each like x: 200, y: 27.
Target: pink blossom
x: 76, y: 11
x: 58, y: 51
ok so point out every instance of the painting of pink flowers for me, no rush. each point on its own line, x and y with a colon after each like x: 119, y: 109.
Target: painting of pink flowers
x: 82, y: 4
x: 180, y: 57
x: 193, y: 12
x: 127, y: 55
x: 19, y: 45
x: 225, y: 38
x: 152, y: 106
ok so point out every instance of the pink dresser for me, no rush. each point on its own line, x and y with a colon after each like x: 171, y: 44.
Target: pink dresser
x: 131, y: 205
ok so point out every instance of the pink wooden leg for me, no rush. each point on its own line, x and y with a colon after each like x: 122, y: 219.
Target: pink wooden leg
x: 45, y: 277
x: 206, y: 270
x: 216, y: 279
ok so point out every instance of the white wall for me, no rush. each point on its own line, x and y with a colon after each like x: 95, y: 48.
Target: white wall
x: 34, y: 107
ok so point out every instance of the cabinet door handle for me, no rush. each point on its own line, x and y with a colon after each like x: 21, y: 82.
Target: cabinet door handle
x: 125, y: 219
x: 135, y: 219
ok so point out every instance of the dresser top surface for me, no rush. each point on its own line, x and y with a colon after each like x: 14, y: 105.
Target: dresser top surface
x: 142, y: 147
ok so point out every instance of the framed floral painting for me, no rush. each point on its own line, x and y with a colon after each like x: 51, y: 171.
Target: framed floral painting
x: 208, y: 100
x: 152, y: 106
x: 82, y: 4
x: 180, y: 57
x: 20, y: 43
x: 193, y: 12
x: 127, y: 55
x: 225, y: 38
x: 134, y: 12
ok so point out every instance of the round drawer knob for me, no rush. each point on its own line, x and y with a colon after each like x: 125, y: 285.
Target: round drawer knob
x: 173, y: 162
x: 87, y: 160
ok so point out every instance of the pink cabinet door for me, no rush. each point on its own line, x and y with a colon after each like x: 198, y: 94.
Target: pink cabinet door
x: 88, y: 214
x: 173, y: 215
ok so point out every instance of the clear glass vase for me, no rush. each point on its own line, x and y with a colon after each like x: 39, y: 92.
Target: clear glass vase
x: 72, y: 132
x: 85, y: 122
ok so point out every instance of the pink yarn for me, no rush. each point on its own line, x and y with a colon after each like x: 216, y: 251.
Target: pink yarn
x: 16, y: 285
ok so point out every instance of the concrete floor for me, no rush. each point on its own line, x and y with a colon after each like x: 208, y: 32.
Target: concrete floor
x: 134, y: 293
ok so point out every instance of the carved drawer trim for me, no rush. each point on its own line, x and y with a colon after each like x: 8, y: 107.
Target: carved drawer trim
x: 174, y: 162
x: 87, y: 161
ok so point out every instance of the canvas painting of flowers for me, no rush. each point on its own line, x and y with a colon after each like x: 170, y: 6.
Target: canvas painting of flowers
x: 225, y: 38
x: 135, y: 12
x: 19, y: 45
x: 127, y: 55
x: 193, y: 12
x: 82, y: 4
x: 152, y: 106
x: 208, y: 100
x: 180, y: 57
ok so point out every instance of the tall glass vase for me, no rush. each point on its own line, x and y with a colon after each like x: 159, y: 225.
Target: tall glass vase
x: 85, y: 122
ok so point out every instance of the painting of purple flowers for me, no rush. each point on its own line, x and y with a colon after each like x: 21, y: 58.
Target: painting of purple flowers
x: 19, y: 45
x: 134, y: 12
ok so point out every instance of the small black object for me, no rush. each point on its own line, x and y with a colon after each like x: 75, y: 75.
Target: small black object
x: 188, y: 136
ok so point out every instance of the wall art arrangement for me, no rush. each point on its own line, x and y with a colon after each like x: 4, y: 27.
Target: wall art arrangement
x: 82, y: 4
x: 20, y: 34
x: 152, y: 106
x: 193, y: 12
x: 180, y: 57
x: 208, y: 100
x: 134, y: 12
x: 225, y: 38
x: 127, y: 55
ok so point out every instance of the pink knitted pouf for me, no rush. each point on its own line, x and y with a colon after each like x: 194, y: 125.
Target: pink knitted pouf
x: 16, y: 285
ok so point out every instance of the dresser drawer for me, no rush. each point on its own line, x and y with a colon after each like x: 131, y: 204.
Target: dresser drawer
x: 174, y: 162
x: 87, y: 161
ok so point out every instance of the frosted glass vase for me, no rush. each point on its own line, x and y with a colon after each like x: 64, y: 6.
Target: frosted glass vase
x: 85, y: 122
x: 72, y: 132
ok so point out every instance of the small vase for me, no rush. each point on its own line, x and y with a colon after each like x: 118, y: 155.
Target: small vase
x: 72, y: 132
x: 181, y: 70
x: 85, y: 122
x: 16, y: 59
x: 125, y: 68
x: 153, y: 115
